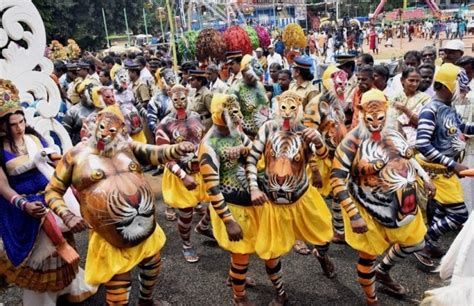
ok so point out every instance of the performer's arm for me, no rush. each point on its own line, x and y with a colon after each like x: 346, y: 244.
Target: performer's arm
x: 342, y: 163
x: 424, y: 134
x: 209, y: 165
x: 160, y: 155
x: 59, y: 183
x: 255, y: 154
x: 161, y: 139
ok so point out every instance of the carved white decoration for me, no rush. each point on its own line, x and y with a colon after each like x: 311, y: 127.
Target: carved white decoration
x: 18, y: 63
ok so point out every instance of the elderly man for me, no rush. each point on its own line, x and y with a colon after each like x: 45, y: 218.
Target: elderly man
x: 262, y: 59
x: 216, y: 85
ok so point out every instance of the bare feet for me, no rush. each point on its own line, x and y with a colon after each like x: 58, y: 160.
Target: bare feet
x: 279, y: 300
x: 326, y: 264
x: 301, y: 248
x: 373, y: 303
x: 391, y: 286
x: 67, y: 253
x: 249, y: 282
x: 142, y: 302
x: 244, y: 301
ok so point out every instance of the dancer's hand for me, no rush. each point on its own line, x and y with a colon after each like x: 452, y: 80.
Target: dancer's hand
x: 76, y: 223
x: 235, y: 152
x: 258, y: 197
x: 312, y: 135
x: 234, y: 231
x: 458, y: 168
x: 35, y: 209
x: 358, y: 225
x: 430, y: 189
x: 189, y: 182
x: 185, y: 147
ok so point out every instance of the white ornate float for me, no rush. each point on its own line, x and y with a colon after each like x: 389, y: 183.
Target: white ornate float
x: 28, y: 68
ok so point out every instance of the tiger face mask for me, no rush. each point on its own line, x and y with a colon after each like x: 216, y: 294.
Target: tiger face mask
x: 290, y: 109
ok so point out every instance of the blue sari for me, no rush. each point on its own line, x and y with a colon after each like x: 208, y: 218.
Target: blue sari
x: 19, y: 230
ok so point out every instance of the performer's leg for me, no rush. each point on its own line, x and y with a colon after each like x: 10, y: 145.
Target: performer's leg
x: 396, y: 254
x: 366, y: 276
x: 185, y: 217
x: 148, y: 277
x: 237, y: 273
x: 273, y: 268
x: 320, y: 251
x: 204, y: 227
x: 65, y: 251
x: 447, y: 218
x: 118, y: 289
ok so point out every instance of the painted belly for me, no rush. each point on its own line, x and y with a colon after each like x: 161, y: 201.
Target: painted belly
x: 120, y: 208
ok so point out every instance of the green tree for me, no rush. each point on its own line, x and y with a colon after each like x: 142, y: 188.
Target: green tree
x: 82, y: 20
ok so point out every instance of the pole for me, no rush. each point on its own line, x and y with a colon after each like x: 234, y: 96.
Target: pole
x: 337, y: 11
x: 274, y: 15
x: 144, y: 21
x: 126, y: 25
x: 105, y: 26
x: 173, y: 45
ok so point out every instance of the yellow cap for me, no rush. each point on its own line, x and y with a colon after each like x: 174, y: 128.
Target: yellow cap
x: 447, y: 75
x: 82, y: 86
x: 217, y: 108
x: 245, y: 61
x: 115, y: 110
x: 327, y: 76
x: 97, y: 98
x: 373, y: 95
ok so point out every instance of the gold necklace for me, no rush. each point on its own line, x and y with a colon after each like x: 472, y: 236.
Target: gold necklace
x: 21, y: 148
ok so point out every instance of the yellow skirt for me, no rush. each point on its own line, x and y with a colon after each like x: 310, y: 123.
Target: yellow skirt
x: 176, y: 195
x: 448, y: 190
x: 140, y: 137
x: 379, y: 238
x: 248, y: 218
x: 308, y: 219
x: 104, y: 260
x: 324, y: 166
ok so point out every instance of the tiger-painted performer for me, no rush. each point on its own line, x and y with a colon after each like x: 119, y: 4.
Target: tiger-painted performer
x: 183, y: 187
x: 441, y: 144
x: 326, y: 114
x: 126, y: 101
x: 374, y: 178
x: 117, y: 203
x: 251, y: 95
x: 292, y: 207
x: 234, y: 219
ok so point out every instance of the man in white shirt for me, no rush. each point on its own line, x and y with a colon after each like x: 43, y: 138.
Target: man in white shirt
x: 216, y: 85
x: 145, y: 74
x: 274, y: 57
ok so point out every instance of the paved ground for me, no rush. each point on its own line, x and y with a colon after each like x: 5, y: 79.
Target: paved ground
x: 202, y: 283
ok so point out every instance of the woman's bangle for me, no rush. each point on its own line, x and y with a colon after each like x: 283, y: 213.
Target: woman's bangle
x: 19, y: 202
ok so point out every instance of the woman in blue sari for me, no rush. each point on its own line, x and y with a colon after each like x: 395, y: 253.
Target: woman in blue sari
x: 34, y: 254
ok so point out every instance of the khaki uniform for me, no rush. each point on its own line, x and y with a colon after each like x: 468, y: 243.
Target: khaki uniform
x: 234, y: 78
x: 306, y: 90
x: 202, y: 105
x: 72, y: 94
x: 142, y: 96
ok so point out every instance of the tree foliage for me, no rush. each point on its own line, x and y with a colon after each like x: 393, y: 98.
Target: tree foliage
x: 82, y: 19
